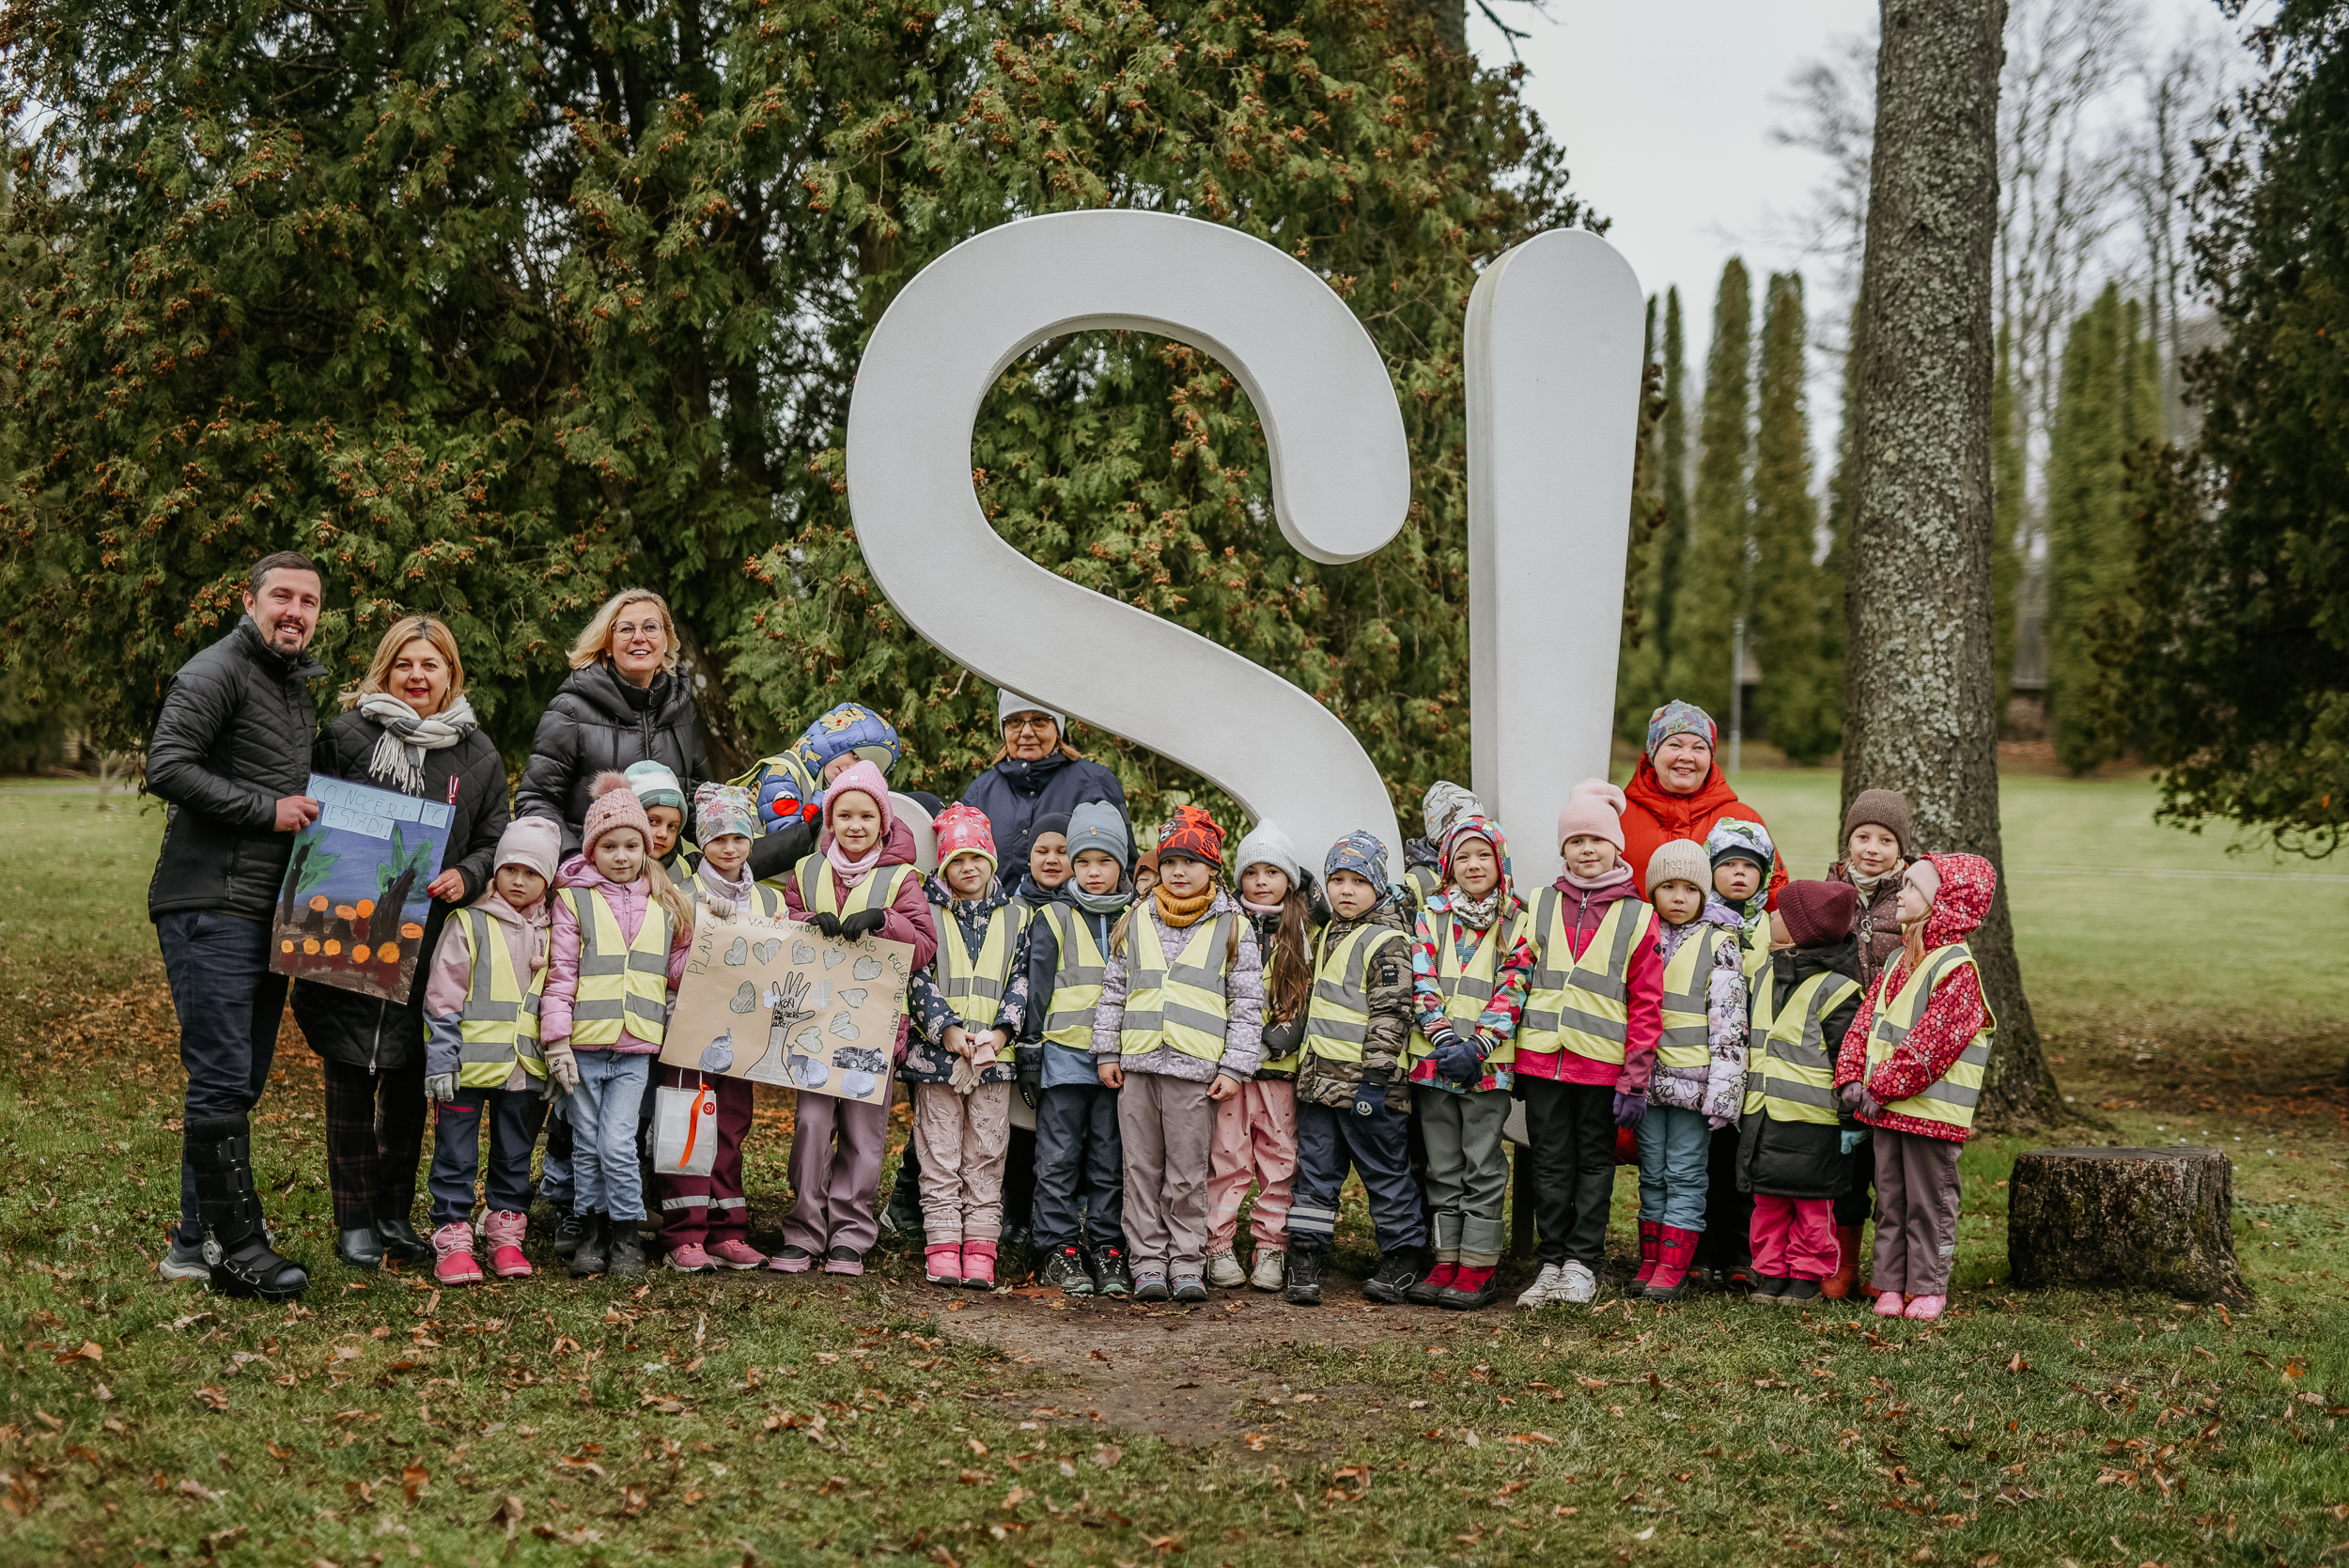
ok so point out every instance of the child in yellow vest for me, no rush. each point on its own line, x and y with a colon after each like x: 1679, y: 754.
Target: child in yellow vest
x: 1469, y: 960
x: 482, y: 1060
x: 1255, y: 1130
x: 618, y: 943
x: 1912, y: 1067
x: 1743, y: 857
x: 1179, y: 1029
x: 968, y: 1003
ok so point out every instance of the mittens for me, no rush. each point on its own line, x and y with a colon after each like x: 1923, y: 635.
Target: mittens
x: 1630, y: 1109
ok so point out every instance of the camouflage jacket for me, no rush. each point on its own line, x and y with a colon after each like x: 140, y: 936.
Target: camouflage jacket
x: 1331, y: 1084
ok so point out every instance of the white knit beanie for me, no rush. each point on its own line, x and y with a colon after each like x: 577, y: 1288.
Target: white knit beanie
x: 1267, y: 844
x: 1008, y: 701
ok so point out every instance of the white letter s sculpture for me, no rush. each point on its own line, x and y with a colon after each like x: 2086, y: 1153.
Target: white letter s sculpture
x: 1553, y: 385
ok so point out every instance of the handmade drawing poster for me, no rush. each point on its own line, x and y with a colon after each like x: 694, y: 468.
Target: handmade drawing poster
x: 352, y: 910
x: 776, y: 1001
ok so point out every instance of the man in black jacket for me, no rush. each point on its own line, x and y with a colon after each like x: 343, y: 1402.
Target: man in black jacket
x: 231, y: 755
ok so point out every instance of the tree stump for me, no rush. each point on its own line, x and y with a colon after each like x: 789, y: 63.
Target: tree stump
x: 2144, y: 1219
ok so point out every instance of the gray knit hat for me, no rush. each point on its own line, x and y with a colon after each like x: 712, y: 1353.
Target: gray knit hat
x: 1680, y: 860
x: 1887, y: 808
x: 1266, y: 843
x: 1099, y: 825
x: 1008, y: 701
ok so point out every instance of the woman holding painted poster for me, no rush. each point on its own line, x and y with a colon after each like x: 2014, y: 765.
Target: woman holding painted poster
x: 407, y: 727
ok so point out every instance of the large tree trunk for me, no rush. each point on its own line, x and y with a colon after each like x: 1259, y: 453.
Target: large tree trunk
x: 1918, y: 671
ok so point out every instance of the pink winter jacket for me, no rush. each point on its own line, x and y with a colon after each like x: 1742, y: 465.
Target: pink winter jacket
x: 450, y: 979
x: 627, y: 906
x: 908, y: 920
x: 1584, y: 909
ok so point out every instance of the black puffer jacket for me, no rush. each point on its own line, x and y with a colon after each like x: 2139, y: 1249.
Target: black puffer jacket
x: 1015, y: 794
x: 597, y: 723
x: 1800, y: 1159
x: 361, y: 1029
x: 232, y: 740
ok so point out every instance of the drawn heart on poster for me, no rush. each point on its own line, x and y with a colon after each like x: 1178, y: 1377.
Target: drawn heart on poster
x: 802, y: 954
x: 745, y: 999
x: 852, y: 996
x: 844, y: 1026
x: 868, y: 966
x: 739, y: 954
x: 820, y: 997
x: 833, y: 956
x: 765, y: 952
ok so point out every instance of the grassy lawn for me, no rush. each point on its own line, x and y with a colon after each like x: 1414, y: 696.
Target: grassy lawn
x: 2189, y: 996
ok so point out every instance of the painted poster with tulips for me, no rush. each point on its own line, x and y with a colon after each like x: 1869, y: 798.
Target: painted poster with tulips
x: 353, y: 908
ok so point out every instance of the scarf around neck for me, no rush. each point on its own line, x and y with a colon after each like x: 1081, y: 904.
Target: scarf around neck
x: 1099, y: 903
x: 1180, y: 912
x: 852, y: 870
x: 722, y: 897
x: 1613, y: 876
x: 1475, y: 912
x: 399, y: 758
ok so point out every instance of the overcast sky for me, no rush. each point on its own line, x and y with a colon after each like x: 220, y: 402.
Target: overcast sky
x: 1665, y: 109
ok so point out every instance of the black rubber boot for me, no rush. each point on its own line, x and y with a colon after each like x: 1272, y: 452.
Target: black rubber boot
x: 1397, y: 1273
x: 626, y: 1258
x: 1302, y: 1287
x: 595, y: 1246
x: 236, y: 1243
x: 399, y: 1237
x: 360, y: 1247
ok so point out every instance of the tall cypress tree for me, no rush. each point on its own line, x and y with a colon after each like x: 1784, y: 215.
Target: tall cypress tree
x: 2006, y: 518
x: 2107, y: 401
x: 1834, y: 610
x: 1711, y: 590
x: 1672, y: 549
x: 1783, y: 623
x: 1634, y: 651
x: 1661, y: 508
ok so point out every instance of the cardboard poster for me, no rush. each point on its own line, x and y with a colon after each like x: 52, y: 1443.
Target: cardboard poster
x: 776, y: 1001
x: 352, y: 910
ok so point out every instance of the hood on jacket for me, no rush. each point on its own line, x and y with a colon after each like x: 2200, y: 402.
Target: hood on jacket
x: 1799, y: 964
x: 1420, y: 851
x: 1029, y: 778
x: 1477, y: 825
x: 580, y: 872
x: 1968, y: 883
x: 1679, y: 814
x: 493, y: 903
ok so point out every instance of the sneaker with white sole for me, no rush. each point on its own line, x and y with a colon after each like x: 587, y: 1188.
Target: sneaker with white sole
x: 1577, y: 1286
x: 1544, y: 1290
x: 1224, y: 1272
x: 1271, y: 1270
x: 184, y: 1260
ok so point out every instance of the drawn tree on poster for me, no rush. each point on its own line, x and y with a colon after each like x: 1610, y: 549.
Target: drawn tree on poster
x: 393, y: 878
x: 310, y: 869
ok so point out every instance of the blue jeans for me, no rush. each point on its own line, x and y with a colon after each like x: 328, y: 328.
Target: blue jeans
x: 1674, y: 1145
x: 606, y: 1178
x: 229, y: 1004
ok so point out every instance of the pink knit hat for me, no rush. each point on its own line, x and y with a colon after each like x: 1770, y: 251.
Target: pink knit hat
x: 612, y: 803
x: 861, y: 778
x: 964, y: 829
x: 1594, y: 808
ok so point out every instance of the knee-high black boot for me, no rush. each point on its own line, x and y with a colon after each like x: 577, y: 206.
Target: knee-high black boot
x: 236, y: 1245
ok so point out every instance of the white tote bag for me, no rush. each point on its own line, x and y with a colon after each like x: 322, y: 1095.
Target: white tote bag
x: 685, y: 1131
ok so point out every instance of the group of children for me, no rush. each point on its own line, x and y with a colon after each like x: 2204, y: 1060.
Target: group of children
x: 1178, y: 1042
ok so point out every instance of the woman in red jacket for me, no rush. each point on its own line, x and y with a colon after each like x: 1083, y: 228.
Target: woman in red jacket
x: 1678, y: 791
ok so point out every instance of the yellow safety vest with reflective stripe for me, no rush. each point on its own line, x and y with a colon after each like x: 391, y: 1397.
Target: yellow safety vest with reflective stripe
x: 1795, y: 1081
x: 974, y: 987
x: 500, y: 1022
x: 1950, y: 1099
x: 1688, y: 990
x: 1180, y: 1003
x: 1077, y: 983
x: 1425, y: 882
x: 619, y: 981
x: 820, y: 888
x: 1285, y: 1065
x: 1468, y: 988
x: 1583, y: 1004
x: 679, y: 868
x: 1337, y: 1023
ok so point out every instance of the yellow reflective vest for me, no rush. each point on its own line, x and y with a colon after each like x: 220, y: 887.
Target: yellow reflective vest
x: 1792, y: 1076
x: 1581, y: 1004
x: 820, y: 888
x: 1688, y: 991
x: 973, y: 987
x: 1337, y: 1023
x: 1468, y: 988
x: 1075, y: 979
x: 500, y: 1022
x: 1424, y: 881
x: 1281, y: 1066
x: 1952, y: 1097
x: 1179, y: 1003
x: 620, y: 982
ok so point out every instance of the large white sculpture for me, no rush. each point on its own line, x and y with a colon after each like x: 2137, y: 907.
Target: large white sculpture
x: 1553, y: 412
x: 1340, y: 484
x: 1553, y: 348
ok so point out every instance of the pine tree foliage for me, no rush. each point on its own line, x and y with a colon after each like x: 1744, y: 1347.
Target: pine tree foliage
x: 2237, y: 667
x: 2108, y: 403
x: 1794, y: 702
x: 498, y: 307
x: 1709, y: 594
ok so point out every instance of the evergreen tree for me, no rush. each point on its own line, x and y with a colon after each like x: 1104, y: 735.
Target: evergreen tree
x: 1784, y: 625
x: 1835, y: 608
x: 1635, y: 653
x: 1675, y: 488
x: 2107, y: 401
x: 2006, y: 518
x: 1710, y: 593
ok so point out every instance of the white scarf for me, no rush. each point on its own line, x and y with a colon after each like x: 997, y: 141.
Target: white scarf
x: 399, y: 757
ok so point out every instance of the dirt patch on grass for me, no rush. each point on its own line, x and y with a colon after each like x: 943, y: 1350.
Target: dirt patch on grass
x: 1184, y: 1373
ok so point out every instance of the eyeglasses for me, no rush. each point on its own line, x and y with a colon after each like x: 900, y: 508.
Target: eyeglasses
x: 1028, y: 721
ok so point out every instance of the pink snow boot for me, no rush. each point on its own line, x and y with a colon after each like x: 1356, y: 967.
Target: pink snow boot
x: 504, y: 1232
x: 978, y: 1265
x: 455, y: 1264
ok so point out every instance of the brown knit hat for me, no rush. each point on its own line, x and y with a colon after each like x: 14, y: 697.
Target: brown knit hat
x: 1818, y: 914
x: 613, y: 804
x: 1887, y: 809
x: 1680, y: 860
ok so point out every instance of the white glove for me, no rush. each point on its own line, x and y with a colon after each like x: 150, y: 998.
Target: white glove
x: 441, y: 1086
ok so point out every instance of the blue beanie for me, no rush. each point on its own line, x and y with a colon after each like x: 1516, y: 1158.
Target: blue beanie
x: 1361, y: 853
